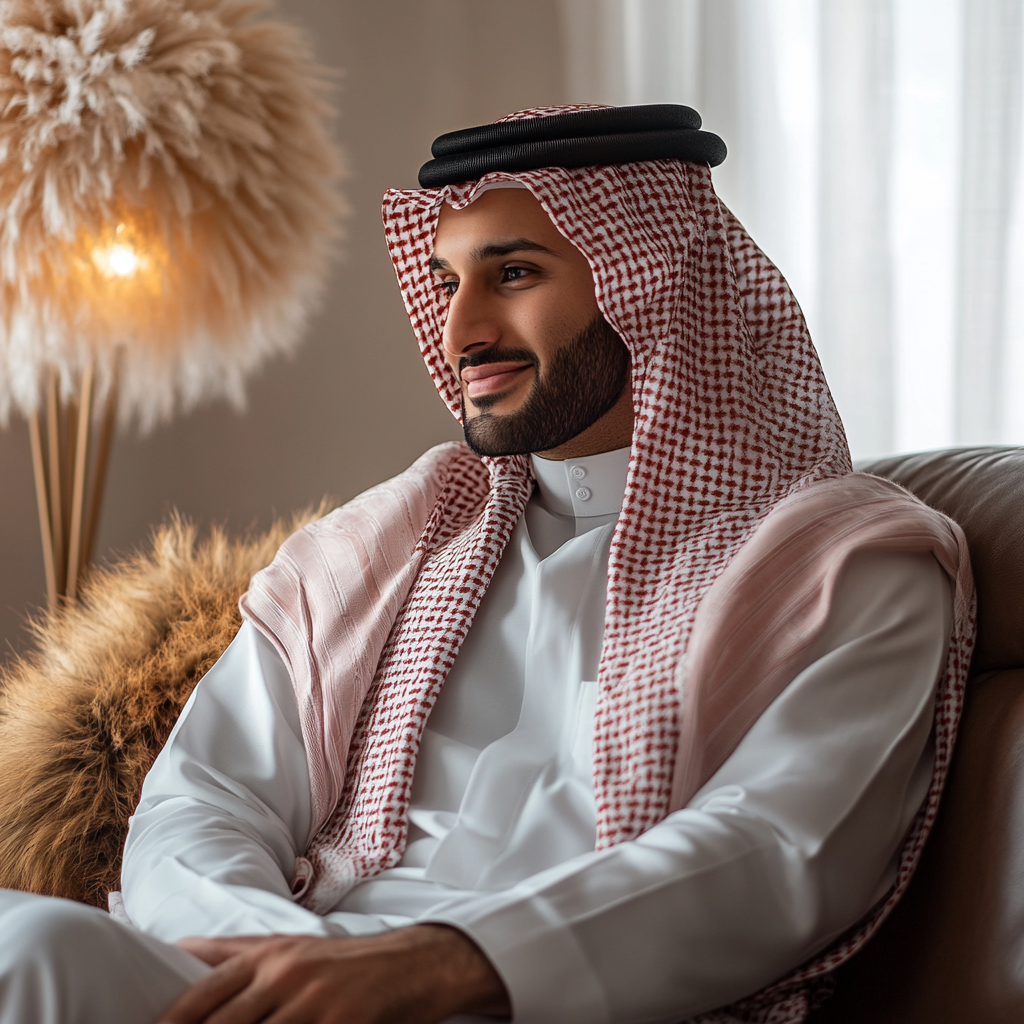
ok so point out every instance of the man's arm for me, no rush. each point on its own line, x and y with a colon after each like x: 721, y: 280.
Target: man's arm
x: 225, y: 808
x: 211, y: 850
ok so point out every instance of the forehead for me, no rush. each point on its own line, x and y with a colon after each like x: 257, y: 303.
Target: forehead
x: 498, y: 214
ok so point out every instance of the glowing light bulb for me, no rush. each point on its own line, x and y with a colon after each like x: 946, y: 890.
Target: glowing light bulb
x: 117, y: 260
x: 123, y: 261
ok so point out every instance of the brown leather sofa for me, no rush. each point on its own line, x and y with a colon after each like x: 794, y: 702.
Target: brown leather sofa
x: 953, y: 950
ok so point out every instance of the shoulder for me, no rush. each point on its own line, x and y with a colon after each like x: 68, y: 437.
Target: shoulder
x: 376, y: 531
x: 779, y: 587
x: 418, y: 487
x: 398, y: 509
x: 852, y: 500
x: 824, y: 523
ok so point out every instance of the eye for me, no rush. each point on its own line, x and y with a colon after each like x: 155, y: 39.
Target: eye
x: 509, y: 275
x: 449, y: 287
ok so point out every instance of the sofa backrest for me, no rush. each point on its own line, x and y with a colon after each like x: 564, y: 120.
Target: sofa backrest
x: 983, y: 490
x: 951, y: 951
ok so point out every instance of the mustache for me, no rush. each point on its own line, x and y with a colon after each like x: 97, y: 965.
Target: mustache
x: 502, y: 355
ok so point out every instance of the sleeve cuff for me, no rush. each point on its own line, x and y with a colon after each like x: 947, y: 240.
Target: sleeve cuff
x: 534, y: 950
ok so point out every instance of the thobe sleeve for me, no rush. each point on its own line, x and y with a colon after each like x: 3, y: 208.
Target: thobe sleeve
x: 212, y: 845
x: 788, y: 845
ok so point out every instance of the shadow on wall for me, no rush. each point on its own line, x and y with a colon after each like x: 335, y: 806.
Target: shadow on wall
x: 355, y: 406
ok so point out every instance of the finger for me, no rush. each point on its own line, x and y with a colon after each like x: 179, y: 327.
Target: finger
x: 196, y: 1004
x: 216, y: 951
x: 250, y: 1006
x: 302, y: 1011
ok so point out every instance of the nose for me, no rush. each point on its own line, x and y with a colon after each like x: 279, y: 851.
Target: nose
x: 469, y: 326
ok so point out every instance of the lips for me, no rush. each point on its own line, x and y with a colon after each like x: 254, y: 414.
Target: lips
x: 492, y: 377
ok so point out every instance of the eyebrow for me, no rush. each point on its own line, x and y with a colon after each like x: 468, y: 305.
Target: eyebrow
x: 495, y: 250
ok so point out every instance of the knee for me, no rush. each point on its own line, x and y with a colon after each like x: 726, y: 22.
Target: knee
x: 41, y: 926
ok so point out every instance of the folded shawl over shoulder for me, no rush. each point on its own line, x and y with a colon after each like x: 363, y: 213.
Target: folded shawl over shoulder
x: 740, y: 513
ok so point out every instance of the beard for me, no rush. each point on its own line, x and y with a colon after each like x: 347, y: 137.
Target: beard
x: 583, y: 381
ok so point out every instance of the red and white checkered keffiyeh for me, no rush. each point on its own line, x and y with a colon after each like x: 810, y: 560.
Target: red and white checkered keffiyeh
x: 739, y: 463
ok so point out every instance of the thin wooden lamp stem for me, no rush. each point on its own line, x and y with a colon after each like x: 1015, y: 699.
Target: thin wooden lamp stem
x: 55, y: 464
x: 104, y: 440
x: 68, y: 534
x: 42, y: 500
x: 82, y: 437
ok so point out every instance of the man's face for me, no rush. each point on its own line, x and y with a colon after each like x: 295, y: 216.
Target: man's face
x: 537, y: 363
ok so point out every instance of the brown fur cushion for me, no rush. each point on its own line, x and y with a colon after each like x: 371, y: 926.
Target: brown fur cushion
x: 83, y: 715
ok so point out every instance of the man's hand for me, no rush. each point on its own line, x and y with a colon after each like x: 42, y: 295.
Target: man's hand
x: 416, y: 975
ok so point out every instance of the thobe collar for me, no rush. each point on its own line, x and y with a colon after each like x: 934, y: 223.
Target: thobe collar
x: 583, y: 488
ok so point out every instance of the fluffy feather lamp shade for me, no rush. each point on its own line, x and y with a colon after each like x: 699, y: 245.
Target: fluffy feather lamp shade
x: 168, y: 197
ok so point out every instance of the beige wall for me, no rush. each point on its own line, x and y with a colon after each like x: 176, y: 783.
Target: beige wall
x: 355, y: 405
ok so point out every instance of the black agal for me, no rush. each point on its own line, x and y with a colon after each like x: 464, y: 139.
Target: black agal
x: 577, y: 138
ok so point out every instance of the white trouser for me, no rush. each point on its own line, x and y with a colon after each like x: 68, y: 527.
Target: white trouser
x: 66, y: 963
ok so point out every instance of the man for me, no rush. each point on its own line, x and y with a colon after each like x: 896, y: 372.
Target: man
x: 624, y: 717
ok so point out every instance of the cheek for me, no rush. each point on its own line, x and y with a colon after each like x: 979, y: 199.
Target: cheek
x: 556, y: 326
x: 549, y: 316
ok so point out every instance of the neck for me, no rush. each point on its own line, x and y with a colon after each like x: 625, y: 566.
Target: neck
x: 612, y: 431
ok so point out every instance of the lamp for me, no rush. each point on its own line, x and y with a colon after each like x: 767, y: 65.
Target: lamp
x: 168, y: 198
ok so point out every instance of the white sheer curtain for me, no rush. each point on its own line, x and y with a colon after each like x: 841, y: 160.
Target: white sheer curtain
x: 875, y: 155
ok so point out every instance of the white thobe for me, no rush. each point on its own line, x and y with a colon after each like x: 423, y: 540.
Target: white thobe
x: 793, y: 840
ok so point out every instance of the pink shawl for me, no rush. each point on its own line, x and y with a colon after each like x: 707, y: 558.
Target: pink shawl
x: 740, y: 513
